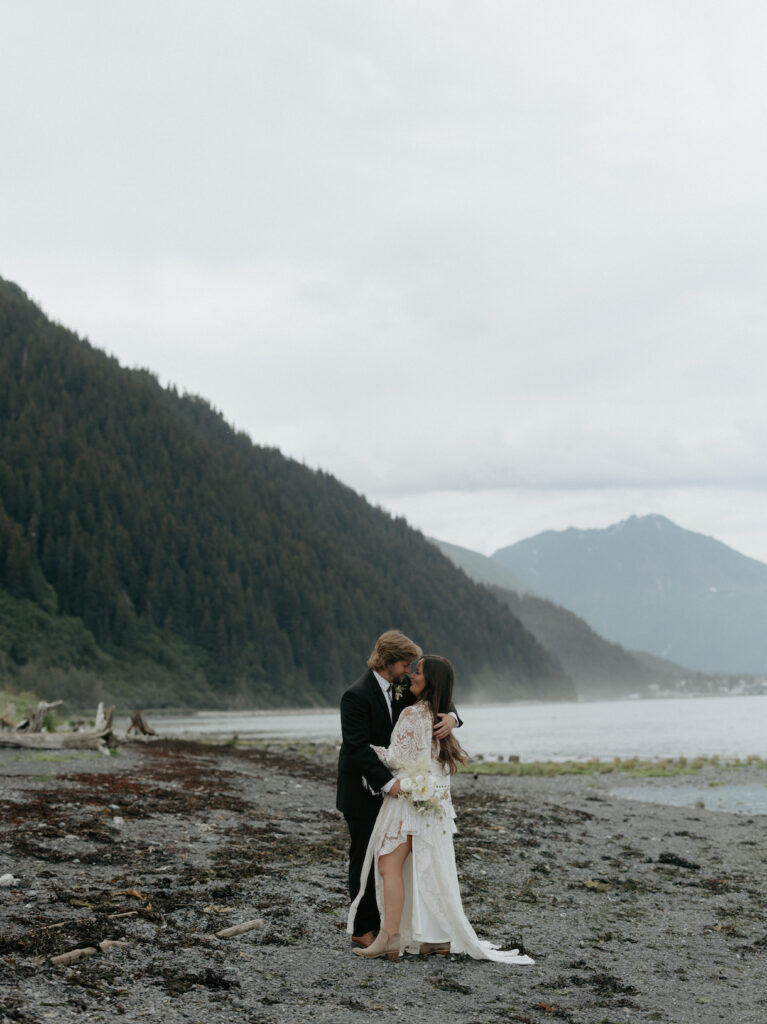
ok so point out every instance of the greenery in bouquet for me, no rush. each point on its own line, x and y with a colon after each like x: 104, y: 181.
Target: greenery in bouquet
x: 419, y: 786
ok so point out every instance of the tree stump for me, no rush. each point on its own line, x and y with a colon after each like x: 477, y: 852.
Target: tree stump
x: 104, y: 718
x: 140, y: 724
x: 35, y: 720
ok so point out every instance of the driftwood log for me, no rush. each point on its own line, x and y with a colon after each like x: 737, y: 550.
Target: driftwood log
x: 238, y: 929
x: 55, y: 740
x: 30, y: 735
x: 74, y: 955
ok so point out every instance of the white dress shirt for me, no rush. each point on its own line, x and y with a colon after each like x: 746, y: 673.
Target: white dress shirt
x: 386, y: 688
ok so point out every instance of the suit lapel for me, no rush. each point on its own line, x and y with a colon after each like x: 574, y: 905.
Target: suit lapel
x: 379, y: 697
x: 399, y: 705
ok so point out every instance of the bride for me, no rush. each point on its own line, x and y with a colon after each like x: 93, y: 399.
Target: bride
x: 411, y: 848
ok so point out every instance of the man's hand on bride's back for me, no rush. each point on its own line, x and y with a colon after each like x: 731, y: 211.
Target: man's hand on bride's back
x: 444, y: 726
x: 394, y: 791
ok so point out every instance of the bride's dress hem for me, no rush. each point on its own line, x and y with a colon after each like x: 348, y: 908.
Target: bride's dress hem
x: 433, y: 910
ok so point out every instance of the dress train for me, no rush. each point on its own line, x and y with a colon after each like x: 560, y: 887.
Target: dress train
x: 433, y: 911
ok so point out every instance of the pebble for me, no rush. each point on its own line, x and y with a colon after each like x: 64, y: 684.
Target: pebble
x: 624, y: 946
x: 8, y: 880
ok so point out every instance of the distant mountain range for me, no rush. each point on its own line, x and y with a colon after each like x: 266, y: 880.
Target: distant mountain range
x: 650, y: 585
x: 151, y: 554
x: 598, y: 667
x: 481, y: 568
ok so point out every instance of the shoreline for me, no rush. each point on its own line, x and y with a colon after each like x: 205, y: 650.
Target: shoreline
x: 633, y: 911
x: 320, y: 709
x: 627, y: 729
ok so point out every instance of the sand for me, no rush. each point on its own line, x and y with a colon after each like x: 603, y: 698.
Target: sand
x: 633, y: 911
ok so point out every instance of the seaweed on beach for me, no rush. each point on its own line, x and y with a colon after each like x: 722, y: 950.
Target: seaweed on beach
x: 211, y: 837
x: 674, y: 860
x: 494, y: 824
x: 175, y: 982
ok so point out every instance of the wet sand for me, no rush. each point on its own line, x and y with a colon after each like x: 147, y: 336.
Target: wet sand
x: 633, y: 911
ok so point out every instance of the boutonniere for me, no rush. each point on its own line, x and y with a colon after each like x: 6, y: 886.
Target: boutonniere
x: 399, y: 689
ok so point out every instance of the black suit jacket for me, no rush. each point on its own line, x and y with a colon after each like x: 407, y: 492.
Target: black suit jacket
x: 365, y: 720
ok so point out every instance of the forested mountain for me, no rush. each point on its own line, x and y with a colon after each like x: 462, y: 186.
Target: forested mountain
x: 187, y: 565
x: 653, y: 586
x: 598, y: 667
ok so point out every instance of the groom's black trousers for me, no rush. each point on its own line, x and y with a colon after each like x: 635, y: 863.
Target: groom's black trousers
x: 360, y: 829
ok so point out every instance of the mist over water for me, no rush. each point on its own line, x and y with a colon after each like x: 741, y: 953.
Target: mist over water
x: 728, y: 727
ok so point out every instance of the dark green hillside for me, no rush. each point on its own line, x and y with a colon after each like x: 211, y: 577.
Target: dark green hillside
x: 55, y: 655
x: 205, y: 568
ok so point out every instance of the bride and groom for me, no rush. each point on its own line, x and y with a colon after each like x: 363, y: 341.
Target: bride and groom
x: 394, y: 767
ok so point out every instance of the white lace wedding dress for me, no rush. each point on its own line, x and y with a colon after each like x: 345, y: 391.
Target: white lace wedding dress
x: 433, y: 910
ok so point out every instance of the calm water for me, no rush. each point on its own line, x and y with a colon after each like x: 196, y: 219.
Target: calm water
x: 728, y: 726
x: 747, y: 798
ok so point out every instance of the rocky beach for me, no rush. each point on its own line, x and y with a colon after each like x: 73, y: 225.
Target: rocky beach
x: 633, y: 911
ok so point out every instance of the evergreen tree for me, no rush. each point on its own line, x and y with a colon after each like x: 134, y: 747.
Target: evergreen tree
x: 143, y: 514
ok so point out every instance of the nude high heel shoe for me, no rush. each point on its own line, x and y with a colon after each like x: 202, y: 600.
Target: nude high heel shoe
x: 384, y: 945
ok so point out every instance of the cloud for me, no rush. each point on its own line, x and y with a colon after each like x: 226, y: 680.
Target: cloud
x: 488, y: 520
x: 429, y: 247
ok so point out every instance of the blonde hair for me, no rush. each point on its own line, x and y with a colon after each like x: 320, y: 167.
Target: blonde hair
x: 393, y: 646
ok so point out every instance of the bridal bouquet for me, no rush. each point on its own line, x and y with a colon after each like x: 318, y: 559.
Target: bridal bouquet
x: 419, y: 786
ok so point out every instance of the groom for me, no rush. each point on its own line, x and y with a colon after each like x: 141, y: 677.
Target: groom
x: 369, y: 711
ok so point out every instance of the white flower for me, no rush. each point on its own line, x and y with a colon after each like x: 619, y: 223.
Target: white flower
x: 424, y: 788
x: 419, y: 786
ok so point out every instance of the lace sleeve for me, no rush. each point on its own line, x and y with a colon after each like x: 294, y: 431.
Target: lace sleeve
x: 411, y: 740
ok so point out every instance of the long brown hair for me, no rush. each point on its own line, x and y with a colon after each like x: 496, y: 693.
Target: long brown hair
x: 438, y: 694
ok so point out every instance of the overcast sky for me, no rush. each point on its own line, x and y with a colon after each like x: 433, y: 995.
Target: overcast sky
x: 500, y: 266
